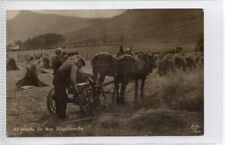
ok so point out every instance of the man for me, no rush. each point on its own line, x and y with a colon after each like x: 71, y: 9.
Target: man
x: 57, y: 60
x: 121, y: 51
x: 66, y: 75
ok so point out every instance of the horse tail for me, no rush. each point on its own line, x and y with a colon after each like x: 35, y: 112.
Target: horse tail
x: 95, y: 68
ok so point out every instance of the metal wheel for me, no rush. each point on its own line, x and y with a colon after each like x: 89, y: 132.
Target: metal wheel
x: 86, y: 100
x: 100, y: 96
x: 51, y: 103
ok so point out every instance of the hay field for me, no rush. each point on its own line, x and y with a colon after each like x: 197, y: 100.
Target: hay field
x: 173, y: 106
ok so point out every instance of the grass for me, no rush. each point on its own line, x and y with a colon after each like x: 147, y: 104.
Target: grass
x: 172, y: 105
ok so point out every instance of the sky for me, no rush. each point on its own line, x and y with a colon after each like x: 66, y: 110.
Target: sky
x: 78, y: 13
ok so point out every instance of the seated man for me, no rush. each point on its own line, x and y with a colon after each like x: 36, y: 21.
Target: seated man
x: 66, y: 75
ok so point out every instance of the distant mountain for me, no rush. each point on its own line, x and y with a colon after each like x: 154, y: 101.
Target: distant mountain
x: 144, y: 27
x: 29, y: 24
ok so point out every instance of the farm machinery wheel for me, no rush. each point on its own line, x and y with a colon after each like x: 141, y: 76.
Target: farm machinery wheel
x: 91, y: 98
x: 86, y: 100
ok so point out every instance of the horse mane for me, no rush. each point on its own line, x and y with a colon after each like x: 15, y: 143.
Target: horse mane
x: 104, y: 54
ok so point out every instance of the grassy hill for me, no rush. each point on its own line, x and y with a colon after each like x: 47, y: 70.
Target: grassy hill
x: 28, y: 24
x: 141, y: 28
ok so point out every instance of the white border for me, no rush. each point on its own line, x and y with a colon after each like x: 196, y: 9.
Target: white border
x: 213, y: 70
x: 2, y: 71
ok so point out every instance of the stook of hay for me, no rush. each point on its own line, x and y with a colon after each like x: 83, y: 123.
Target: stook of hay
x: 46, y: 63
x: 11, y: 64
x: 31, y: 78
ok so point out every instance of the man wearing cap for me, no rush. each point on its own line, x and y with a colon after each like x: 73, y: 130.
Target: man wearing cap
x: 57, y: 60
x: 66, y: 75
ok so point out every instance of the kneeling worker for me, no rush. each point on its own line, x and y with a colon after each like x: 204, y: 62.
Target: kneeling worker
x: 65, y: 75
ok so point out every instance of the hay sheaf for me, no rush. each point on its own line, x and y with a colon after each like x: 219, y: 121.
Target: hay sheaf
x: 31, y: 78
x: 11, y: 64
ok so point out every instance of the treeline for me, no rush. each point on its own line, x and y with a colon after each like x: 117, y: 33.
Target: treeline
x: 97, y: 41
x: 39, y: 42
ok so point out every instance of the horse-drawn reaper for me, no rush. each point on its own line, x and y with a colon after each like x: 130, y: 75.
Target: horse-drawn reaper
x: 89, y: 97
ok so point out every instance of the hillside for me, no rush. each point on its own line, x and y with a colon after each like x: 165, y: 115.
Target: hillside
x: 29, y: 24
x: 144, y: 27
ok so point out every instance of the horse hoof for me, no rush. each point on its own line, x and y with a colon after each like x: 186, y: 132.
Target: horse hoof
x: 120, y: 102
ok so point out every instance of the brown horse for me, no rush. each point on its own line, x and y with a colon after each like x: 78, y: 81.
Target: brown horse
x: 103, y: 64
x: 132, y: 67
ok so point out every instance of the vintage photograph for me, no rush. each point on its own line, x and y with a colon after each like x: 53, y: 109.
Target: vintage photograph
x: 111, y: 72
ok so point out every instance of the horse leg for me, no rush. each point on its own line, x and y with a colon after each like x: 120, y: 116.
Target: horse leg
x: 118, y: 91
x: 115, y: 90
x: 123, y: 89
x: 102, y: 78
x: 142, y: 87
x: 95, y: 75
x: 136, y: 91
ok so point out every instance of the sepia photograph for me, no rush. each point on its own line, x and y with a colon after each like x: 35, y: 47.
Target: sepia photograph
x: 105, y: 72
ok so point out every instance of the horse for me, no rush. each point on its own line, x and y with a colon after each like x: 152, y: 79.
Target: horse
x: 132, y: 67
x: 103, y: 64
